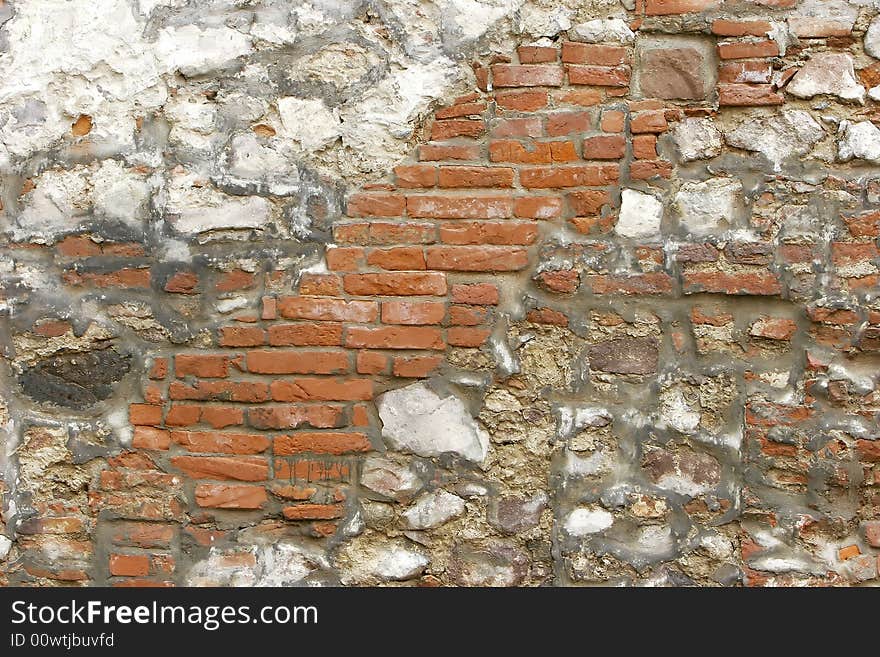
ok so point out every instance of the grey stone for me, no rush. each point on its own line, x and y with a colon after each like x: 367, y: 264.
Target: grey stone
x: 433, y: 509
x: 697, y: 139
x: 789, y: 134
x: 386, y: 477
x: 77, y: 380
x: 859, y: 140
x: 416, y: 419
x: 625, y: 356
x: 827, y: 73
x: 513, y: 514
x: 704, y: 207
x: 490, y: 564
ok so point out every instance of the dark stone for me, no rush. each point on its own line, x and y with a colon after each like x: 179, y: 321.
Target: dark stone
x: 749, y: 253
x: 625, y: 356
x: 490, y: 564
x: 77, y: 380
x: 512, y: 515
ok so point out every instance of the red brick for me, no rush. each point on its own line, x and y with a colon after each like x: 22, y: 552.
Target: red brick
x: 566, y: 123
x: 653, y: 121
x: 376, y: 204
x: 467, y: 315
x: 203, y: 366
x: 406, y: 258
x: 460, y: 336
x: 332, y: 310
x: 670, y: 7
x: 220, y: 417
x: 385, y: 233
x: 297, y: 362
x: 569, y: 176
x: 142, y: 535
x: 478, y: 294
x: 394, y: 337
x: 236, y: 279
x: 395, y: 284
x: 644, y: 147
x: 126, y: 278
x: 742, y: 95
x: 754, y: 72
x: 413, y: 312
x: 308, y: 470
x: 159, y: 368
x: 733, y: 28
x: 416, y: 366
x: 647, y: 169
x: 305, y: 335
x: 321, y: 443
x: 763, y: 283
x: 526, y: 75
x: 327, y: 285
x: 748, y: 50
x: 144, y: 414
x: 807, y: 27
x: 459, y: 110
x: 872, y: 533
x: 435, y: 152
x: 773, y: 328
x: 460, y: 207
x: 588, y: 202
x: 220, y: 442
x: 522, y: 101
x: 604, y: 147
x: 129, y: 565
x: 510, y: 150
x: 520, y: 128
x: 369, y: 362
x: 451, y: 128
x: 150, y: 438
x: 183, y: 415
x: 344, y: 258
x: 612, y: 121
x: 547, y: 316
x: 239, y: 391
x: 320, y: 416
x: 242, y: 336
x: 863, y: 225
x: 653, y: 283
x: 321, y: 389
x: 183, y: 282
x: 868, y: 450
x: 313, y: 511
x: 537, y: 207
x: 508, y: 232
x: 596, y: 54
x: 843, y: 253
x: 459, y: 177
x: 240, y: 468
x: 476, y: 258
x: 599, y: 76
x: 228, y: 496
x: 536, y: 54
x: 561, y: 281
x: 415, y: 175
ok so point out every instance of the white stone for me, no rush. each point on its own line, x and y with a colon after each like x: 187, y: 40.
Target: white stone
x: 697, y: 139
x: 5, y: 546
x: 582, y: 522
x: 790, y: 133
x: 398, y: 563
x: 194, y: 208
x: 386, y: 477
x: 195, y: 51
x: 677, y: 412
x: 55, y: 205
x: 252, y: 163
x: 416, y: 419
x: 859, y: 140
x: 308, y: 122
x: 872, y: 38
x: 119, y: 193
x: 640, y: 215
x: 704, y: 207
x: 433, y: 509
x: 603, y: 29
x: 827, y: 73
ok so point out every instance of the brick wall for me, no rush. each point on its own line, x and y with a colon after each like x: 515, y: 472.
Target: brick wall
x: 669, y: 238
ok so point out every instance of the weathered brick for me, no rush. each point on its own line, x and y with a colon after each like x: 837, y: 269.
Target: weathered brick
x: 476, y: 258
x: 394, y: 337
x: 413, y: 312
x: 321, y: 389
x: 325, y: 442
x: 395, y: 284
x: 228, y: 496
x: 527, y: 75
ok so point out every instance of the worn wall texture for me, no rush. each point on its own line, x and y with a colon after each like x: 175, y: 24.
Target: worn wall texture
x: 440, y: 292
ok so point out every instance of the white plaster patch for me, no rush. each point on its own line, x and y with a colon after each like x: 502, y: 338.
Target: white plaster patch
x: 640, y: 215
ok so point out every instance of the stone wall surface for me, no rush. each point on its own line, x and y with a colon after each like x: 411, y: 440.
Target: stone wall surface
x: 440, y: 292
